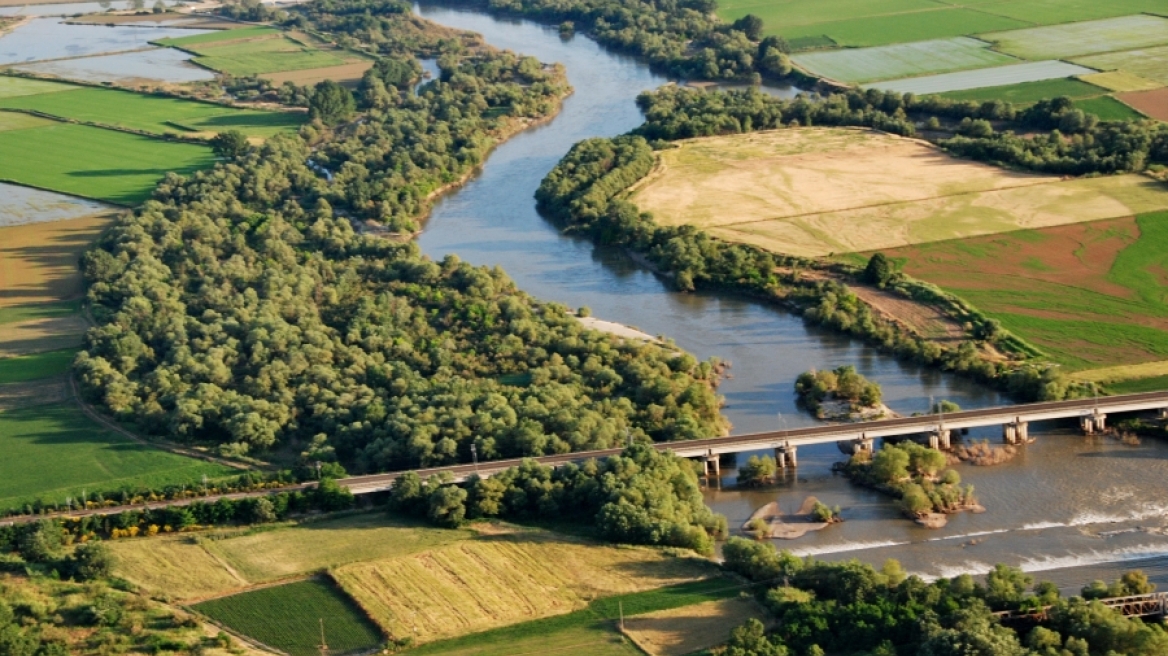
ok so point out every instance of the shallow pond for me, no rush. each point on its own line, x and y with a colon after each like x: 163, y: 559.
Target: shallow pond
x: 160, y: 64
x: 21, y: 205
x: 51, y: 38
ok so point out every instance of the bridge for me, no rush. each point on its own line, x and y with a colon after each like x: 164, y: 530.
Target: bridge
x: 852, y: 438
x: 1152, y: 605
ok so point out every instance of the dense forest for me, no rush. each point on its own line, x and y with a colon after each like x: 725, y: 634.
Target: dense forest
x: 242, y: 307
x: 852, y: 608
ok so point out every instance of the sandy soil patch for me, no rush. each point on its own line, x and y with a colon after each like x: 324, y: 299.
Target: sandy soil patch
x: 690, y: 629
x: 344, y: 74
x: 1153, y: 103
x: 39, y: 335
x: 37, y: 392
x: 38, y: 262
x: 787, y: 527
x: 617, y: 329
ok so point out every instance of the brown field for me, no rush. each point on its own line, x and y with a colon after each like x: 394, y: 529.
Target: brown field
x: 348, y: 74
x: 482, y: 584
x: 814, y: 192
x: 38, y: 261
x: 1153, y: 103
x: 690, y: 629
x: 43, y: 334
x: 37, y: 392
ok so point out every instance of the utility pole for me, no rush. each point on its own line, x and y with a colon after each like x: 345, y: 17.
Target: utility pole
x: 474, y: 455
x: 323, y: 645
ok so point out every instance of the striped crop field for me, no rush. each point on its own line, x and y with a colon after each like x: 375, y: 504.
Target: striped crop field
x: 1085, y: 38
x: 902, y: 60
x: 985, y: 77
x: 1148, y: 63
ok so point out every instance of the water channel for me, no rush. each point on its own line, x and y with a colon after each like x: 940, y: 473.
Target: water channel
x: 1066, y: 502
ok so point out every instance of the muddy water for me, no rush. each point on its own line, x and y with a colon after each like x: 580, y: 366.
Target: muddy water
x: 1065, y: 502
x: 50, y: 38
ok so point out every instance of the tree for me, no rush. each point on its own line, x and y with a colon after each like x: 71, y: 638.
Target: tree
x: 331, y: 103
x: 159, y: 7
x: 879, y: 270
x: 448, y: 506
x: 230, y: 144
x: 757, y: 471
x: 92, y: 560
x: 750, y: 25
x: 1006, y: 586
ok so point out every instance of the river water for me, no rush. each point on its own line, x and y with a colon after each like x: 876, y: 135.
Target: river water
x: 1068, y: 507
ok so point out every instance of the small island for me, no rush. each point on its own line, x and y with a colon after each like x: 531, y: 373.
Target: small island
x: 841, y: 394
x: 769, y: 522
x: 917, y: 476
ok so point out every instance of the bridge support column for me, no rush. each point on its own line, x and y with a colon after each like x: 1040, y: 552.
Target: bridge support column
x: 940, y: 439
x: 706, y: 460
x: 866, y: 445
x: 1091, y: 424
x: 786, y: 456
x: 1162, y: 414
x: 1009, y: 433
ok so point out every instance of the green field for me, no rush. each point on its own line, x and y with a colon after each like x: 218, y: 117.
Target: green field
x: 903, y: 60
x: 288, y: 617
x: 17, y: 313
x: 903, y: 28
x: 1148, y: 63
x: 54, y: 451
x: 116, y: 167
x: 1108, y: 109
x: 1080, y: 39
x: 257, y: 51
x: 35, y: 366
x: 11, y: 87
x: 590, y: 631
x: 217, y: 37
x: 155, y: 114
x: 1029, y: 92
x: 270, y: 62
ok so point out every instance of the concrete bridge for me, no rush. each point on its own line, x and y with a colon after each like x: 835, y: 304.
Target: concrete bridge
x: 1153, y: 605
x: 853, y: 437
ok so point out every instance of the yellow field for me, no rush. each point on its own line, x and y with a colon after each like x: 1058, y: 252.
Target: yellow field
x: 1120, y: 81
x: 690, y: 629
x: 38, y: 261
x: 348, y: 74
x: 818, y: 191
x: 181, y: 567
x: 482, y: 584
x: 1123, y: 372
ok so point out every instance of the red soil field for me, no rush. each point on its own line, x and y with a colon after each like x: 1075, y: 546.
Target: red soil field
x: 1154, y: 103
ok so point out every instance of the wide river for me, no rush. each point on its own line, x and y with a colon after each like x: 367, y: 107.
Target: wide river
x: 1097, y: 507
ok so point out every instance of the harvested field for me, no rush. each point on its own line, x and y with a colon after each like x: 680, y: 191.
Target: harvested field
x: 1124, y: 372
x: 1148, y: 63
x: 478, y: 585
x: 1030, y: 92
x: 1091, y: 295
x: 903, y: 60
x: 39, y: 335
x: 1083, y: 38
x: 1151, y: 103
x: 19, y: 396
x: 38, y: 261
x: 1120, y: 81
x: 227, y: 560
x: 986, y: 77
x: 814, y: 192
x: 690, y: 629
x: 348, y: 74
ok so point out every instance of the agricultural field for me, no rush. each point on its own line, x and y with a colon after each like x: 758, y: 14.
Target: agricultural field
x: 52, y: 452
x: 38, y: 261
x: 1108, y: 109
x: 483, y: 584
x: 1119, y: 81
x: 1029, y: 92
x: 290, y: 618
x: 1151, y: 103
x: 107, y: 165
x: 262, y: 51
x: 1091, y: 295
x: 999, y: 76
x: 815, y: 192
x: 226, y: 560
x: 1148, y: 63
x: 592, y: 630
x: 155, y: 114
x: 691, y: 629
x: 858, y: 65
x: 1085, y: 38
x: 24, y: 368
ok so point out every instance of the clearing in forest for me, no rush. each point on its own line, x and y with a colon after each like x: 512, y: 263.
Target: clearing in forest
x: 483, y: 584
x: 1091, y: 295
x: 817, y: 191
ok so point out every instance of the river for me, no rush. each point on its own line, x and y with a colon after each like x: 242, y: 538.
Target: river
x: 1071, y: 508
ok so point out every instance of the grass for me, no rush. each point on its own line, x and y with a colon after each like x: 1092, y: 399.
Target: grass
x: 1148, y: 63
x: 984, y: 78
x: 289, y: 617
x: 156, y: 114
x: 259, y: 52
x: 35, y: 366
x: 1029, y: 92
x: 1108, y: 109
x: 102, y: 164
x: 20, y: 313
x: 689, y: 629
x: 19, y: 121
x: 225, y: 560
x: 1120, y: 82
x: 217, y: 37
x: 1082, y: 38
x: 12, y: 87
x: 270, y: 62
x: 1096, y: 302
x: 483, y: 584
x: 885, y: 192
x: 902, y: 60
x: 591, y: 630
x: 902, y: 28
x: 54, y: 451
x: 1155, y: 384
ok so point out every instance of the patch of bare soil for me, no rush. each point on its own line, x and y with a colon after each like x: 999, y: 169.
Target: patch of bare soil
x: 690, y: 629
x: 1153, y: 103
x: 983, y: 454
x: 38, y: 335
x: 785, y: 527
x: 348, y: 74
x: 38, y: 392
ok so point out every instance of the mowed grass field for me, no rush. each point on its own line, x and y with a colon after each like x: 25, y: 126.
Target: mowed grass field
x: 290, y: 618
x: 24, y: 368
x: 107, y: 165
x: 1083, y: 38
x: 261, y: 51
x: 155, y: 114
x: 1091, y: 295
x: 902, y: 60
x: 483, y: 584
x: 1030, y: 92
x: 690, y: 629
x: 818, y: 191
x: 182, y: 568
x: 54, y: 451
x: 1148, y: 63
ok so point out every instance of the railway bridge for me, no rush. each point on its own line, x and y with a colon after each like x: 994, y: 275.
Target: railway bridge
x: 1146, y: 606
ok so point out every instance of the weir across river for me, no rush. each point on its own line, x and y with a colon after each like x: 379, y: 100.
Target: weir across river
x: 852, y: 437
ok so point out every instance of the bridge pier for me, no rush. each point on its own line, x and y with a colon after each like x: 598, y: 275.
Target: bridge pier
x: 786, y: 456
x: 706, y: 460
x: 1162, y: 414
x: 1091, y: 424
x: 1016, y: 432
x: 940, y: 439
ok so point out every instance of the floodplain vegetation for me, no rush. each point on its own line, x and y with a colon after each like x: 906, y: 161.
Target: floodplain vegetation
x: 917, y: 476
